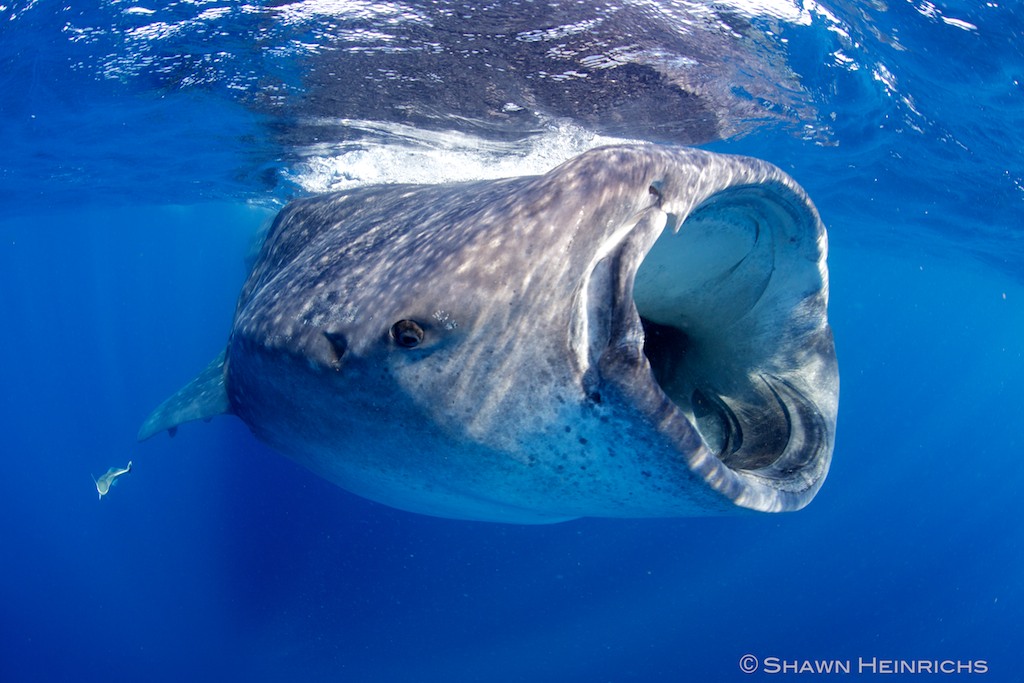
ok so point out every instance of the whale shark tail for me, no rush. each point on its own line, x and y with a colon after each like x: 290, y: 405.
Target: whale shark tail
x: 200, y: 399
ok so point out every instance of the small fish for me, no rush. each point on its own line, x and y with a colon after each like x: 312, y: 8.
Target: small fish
x: 107, y: 480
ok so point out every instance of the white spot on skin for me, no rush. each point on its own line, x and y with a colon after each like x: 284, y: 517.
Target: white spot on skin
x: 442, y: 317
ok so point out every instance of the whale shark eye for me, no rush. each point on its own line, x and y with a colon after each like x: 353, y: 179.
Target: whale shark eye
x: 407, y: 333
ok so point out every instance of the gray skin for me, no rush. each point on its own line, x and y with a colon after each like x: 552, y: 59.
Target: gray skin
x: 108, y: 479
x: 640, y: 332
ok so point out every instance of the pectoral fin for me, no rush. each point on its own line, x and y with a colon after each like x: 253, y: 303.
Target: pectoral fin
x: 200, y: 399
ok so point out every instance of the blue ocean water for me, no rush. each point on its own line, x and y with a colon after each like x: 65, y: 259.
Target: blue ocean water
x: 143, y: 148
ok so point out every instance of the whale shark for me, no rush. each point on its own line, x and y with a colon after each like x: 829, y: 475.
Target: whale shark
x: 640, y: 332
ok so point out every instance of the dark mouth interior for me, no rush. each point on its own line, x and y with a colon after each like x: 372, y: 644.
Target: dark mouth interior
x: 666, y: 349
x: 699, y: 295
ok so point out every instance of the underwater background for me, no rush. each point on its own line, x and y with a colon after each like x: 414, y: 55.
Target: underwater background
x: 143, y: 146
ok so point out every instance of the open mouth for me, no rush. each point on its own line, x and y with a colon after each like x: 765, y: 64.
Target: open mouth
x: 733, y: 310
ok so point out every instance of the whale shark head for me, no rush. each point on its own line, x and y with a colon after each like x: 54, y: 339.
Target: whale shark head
x: 640, y: 332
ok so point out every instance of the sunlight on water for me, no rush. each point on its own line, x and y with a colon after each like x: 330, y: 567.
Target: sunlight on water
x: 406, y: 155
